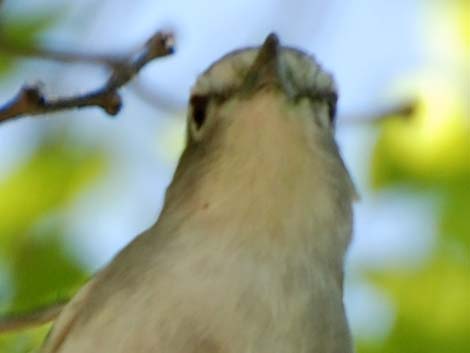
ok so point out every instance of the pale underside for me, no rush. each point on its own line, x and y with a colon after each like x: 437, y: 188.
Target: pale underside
x: 247, y: 255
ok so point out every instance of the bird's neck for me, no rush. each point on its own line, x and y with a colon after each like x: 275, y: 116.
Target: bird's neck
x: 264, y: 176
x: 275, y: 200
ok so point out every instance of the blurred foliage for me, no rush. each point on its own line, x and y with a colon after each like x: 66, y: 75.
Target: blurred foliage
x: 430, y: 149
x: 21, y: 32
x: 430, y: 154
x: 43, y: 266
x: 48, y: 181
x: 432, y: 307
x: 22, y: 342
x: 38, y: 267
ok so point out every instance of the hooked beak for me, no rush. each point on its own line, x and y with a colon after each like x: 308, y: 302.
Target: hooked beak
x: 266, y: 68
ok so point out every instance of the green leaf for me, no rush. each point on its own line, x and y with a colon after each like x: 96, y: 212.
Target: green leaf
x: 455, y: 222
x: 42, y: 265
x: 23, y: 341
x: 432, y: 308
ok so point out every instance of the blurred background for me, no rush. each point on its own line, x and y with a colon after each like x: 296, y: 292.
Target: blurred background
x: 75, y: 187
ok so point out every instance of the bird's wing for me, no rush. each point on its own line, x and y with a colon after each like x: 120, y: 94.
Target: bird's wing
x: 66, y: 320
x: 121, y: 309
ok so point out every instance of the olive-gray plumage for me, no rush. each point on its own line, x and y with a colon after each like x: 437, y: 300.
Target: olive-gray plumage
x: 247, y: 254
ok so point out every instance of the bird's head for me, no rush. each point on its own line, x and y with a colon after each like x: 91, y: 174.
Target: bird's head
x: 263, y: 118
x: 247, y: 75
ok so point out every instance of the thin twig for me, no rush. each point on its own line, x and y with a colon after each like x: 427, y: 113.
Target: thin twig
x: 403, y: 110
x: 31, y: 101
x: 32, y: 319
x: 51, y: 54
x: 112, y: 62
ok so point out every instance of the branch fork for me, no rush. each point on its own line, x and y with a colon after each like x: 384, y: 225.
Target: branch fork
x: 31, y: 101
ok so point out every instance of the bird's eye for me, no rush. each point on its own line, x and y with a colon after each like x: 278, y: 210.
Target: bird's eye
x: 332, y: 101
x: 199, y: 105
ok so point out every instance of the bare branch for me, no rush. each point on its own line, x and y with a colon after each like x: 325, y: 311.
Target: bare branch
x: 403, y: 110
x: 32, y: 319
x: 12, y: 49
x: 30, y: 100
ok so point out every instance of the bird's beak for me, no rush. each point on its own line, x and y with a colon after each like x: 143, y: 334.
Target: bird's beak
x: 266, y: 68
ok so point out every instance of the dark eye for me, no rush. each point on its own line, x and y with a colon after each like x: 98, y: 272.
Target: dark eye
x: 199, y: 109
x: 331, y: 100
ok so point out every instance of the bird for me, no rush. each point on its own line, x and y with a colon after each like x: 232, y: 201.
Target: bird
x: 247, y: 255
